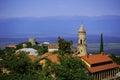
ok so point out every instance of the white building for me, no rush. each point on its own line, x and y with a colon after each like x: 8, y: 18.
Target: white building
x: 31, y: 51
x: 52, y: 47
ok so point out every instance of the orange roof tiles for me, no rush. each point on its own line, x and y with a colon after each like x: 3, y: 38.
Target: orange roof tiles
x: 52, y: 57
x: 97, y: 58
x: 11, y: 46
x: 102, y: 67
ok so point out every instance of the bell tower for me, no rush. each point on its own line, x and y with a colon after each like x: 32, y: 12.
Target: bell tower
x: 82, y: 46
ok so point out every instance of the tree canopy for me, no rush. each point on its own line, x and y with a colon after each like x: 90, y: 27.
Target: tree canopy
x: 70, y: 68
x: 64, y: 46
x: 101, y: 44
x: 22, y: 68
x: 115, y: 58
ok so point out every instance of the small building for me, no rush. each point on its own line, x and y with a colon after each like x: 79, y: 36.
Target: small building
x: 31, y: 51
x: 11, y: 46
x: 24, y: 45
x: 52, y: 47
x: 32, y: 57
x: 46, y: 43
x: 100, y: 66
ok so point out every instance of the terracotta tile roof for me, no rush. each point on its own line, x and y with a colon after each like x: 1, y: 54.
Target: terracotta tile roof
x: 11, y: 46
x: 53, y: 46
x: 102, y: 67
x: 97, y: 58
x: 52, y: 57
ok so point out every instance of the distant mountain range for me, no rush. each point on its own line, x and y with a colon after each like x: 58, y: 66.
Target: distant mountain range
x: 59, y: 26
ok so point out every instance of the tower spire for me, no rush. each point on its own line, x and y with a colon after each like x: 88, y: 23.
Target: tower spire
x: 82, y: 46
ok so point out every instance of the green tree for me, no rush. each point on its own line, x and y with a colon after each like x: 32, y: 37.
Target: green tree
x: 9, y: 50
x: 2, y: 53
x: 115, y: 58
x: 101, y: 44
x: 70, y: 68
x: 29, y: 45
x: 19, y: 46
x: 41, y: 49
x: 17, y: 63
x: 64, y: 46
x: 21, y: 68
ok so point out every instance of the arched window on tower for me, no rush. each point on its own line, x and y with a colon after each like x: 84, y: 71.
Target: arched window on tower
x: 80, y: 41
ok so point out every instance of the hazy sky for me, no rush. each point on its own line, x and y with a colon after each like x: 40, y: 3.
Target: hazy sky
x: 44, y: 8
x: 58, y: 8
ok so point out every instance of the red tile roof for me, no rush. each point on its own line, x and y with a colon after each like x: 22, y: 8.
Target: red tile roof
x: 102, y: 67
x: 97, y: 58
x: 52, y: 57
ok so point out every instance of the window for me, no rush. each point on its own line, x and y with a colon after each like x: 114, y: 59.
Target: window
x: 80, y: 41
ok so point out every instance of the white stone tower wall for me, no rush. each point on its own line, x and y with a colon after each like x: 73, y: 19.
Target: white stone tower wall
x: 82, y: 46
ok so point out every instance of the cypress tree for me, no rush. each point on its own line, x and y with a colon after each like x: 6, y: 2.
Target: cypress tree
x: 101, y: 43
